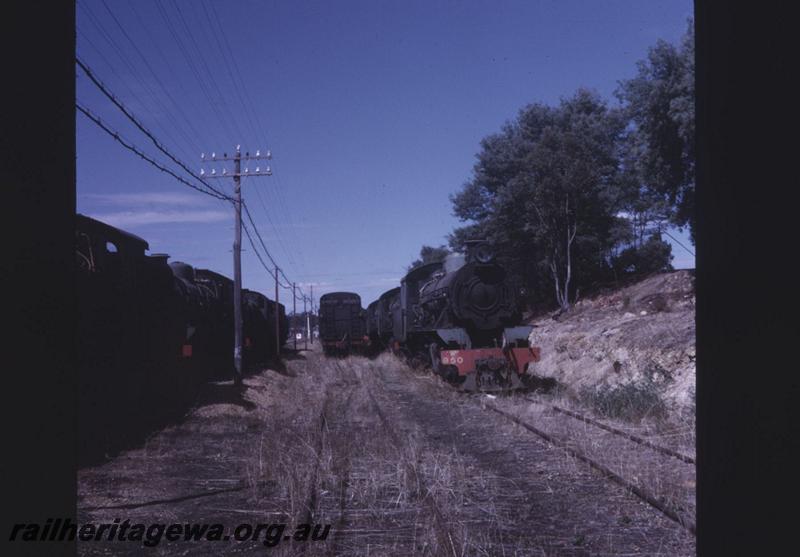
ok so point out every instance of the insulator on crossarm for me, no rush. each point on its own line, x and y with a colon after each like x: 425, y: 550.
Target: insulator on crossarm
x: 268, y: 170
x: 202, y: 156
x: 258, y: 152
x: 269, y: 154
x: 213, y: 155
x: 224, y: 171
x: 202, y: 172
x: 258, y: 169
x: 213, y: 171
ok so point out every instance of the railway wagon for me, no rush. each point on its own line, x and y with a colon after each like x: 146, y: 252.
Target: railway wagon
x: 342, y: 323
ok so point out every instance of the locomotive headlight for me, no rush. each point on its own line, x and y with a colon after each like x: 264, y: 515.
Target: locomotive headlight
x: 484, y: 253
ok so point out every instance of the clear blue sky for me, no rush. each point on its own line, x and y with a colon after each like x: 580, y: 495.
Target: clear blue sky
x: 373, y: 111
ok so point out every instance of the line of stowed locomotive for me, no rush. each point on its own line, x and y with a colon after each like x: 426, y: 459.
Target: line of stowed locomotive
x: 150, y: 332
x: 460, y: 316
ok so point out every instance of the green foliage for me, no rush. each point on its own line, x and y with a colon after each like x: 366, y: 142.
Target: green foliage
x: 429, y: 254
x: 629, y: 401
x: 661, y: 147
x: 653, y: 255
x: 545, y: 191
x: 576, y: 194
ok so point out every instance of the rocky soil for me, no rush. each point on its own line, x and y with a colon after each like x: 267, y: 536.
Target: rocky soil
x: 642, y: 335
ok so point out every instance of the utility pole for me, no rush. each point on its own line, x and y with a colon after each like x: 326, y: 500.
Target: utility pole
x: 308, y: 322
x: 312, y: 311
x: 277, y: 318
x: 294, y: 311
x: 237, y: 242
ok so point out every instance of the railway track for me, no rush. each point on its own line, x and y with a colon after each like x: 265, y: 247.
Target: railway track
x: 624, y: 434
x: 561, y: 443
x: 447, y: 542
x: 351, y: 381
x: 323, y: 442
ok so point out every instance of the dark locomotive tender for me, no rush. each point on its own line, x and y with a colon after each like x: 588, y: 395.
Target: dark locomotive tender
x: 342, y: 326
x: 263, y: 330
x: 460, y: 316
x: 149, y: 332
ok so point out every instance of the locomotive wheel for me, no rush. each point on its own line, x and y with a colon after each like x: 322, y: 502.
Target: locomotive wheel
x: 450, y: 374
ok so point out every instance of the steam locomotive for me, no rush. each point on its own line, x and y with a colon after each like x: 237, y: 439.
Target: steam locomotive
x: 150, y: 332
x: 460, y: 317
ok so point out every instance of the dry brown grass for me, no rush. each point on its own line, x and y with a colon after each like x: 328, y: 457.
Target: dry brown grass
x: 670, y: 480
x: 397, y: 461
x: 388, y: 491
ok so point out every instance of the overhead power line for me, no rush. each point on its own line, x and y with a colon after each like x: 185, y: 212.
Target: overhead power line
x: 141, y: 126
x: 248, y: 106
x: 142, y: 82
x: 128, y: 145
x: 111, y: 96
x: 250, y: 218
x: 255, y: 249
x: 177, y: 105
x: 674, y: 239
x: 86, y: 112
x: 264, y: 247
x: 209, y: 190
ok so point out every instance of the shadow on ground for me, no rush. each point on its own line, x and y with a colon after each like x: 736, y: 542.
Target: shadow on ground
x: 223, y: 393
x: 107, y: 432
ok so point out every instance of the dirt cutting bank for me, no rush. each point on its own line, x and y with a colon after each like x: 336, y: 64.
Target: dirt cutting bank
x: 640, y: 339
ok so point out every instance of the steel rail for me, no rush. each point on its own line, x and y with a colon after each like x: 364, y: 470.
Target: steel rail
x: 642, y: 494
x: 621, y: 433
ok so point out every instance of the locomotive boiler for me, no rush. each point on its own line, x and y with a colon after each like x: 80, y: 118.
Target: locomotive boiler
x: 460, y: 316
